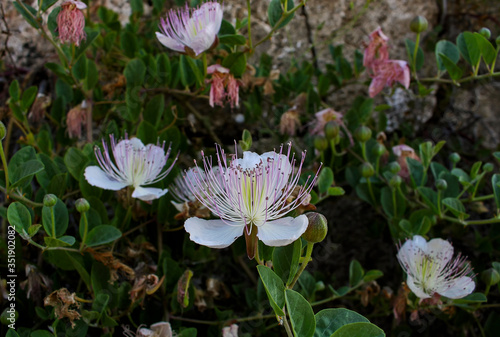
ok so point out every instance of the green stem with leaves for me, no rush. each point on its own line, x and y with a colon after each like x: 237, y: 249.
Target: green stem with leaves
x: 414, y: 59
x: 303, y: 266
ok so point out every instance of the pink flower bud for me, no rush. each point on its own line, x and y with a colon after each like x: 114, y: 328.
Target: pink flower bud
x: 71, y: 22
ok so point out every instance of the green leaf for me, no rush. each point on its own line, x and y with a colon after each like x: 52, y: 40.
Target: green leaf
x: 469, y: 48
x: 416, y: 172
x: 61, y: 219
x: 164, y: 70
x: 472, y: 298
x: 226, y: 28
x: 356, y: 273
x: 275, y: 289
x: 46, y: 4
x: 75, y: 162
x: 136, y: 6
x: 361, y: 329
x: 79, y: 69
x: 57, y: 184
x: 11, y: 333
x: 325, y: 179
x: 63, y: 241
x: 275, y: 12
x: 410, y: 49
x: 102, y: 234
x: 301, y: 314
x: 41, y: 333
x: 52, y: 21
x: 336, y: 191
x: 19, y: 217
x: 495, y: 182
x: 232, y: 39
x: 23, y: 174
x: 372, y: 275
x: 147, y: 133
x: 330, y: 320
x: 14, y: 91
x: 488, y: 52
x: 134, y: 73
x: 186, y: 72
x: 449, y: 50
x: 18, y: 161
x: 29, y: 13
x: 453, y: 70
x: 286, y: 260
x: 430, y: 197
x: 129, y: 43
x: 28, y: 97
x: 60, y: 71
x: 236, y: 62
x: 154, y: 110
x: 92, y: 76
x: 456, y: 207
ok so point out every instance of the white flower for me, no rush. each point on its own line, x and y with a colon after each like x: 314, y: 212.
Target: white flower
x: 191, y: 31
x: 431, y: 269
x: 248, y: 194
x: 134, y: 165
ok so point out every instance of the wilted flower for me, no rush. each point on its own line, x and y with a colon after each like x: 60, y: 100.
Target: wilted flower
x: 431, y: 269
x: 71, y: 22
x: 377, y: 50
x: 222, y: 80
x: 230, y: 331
x: 136, y: 165
x: 191, y: 30
x: 42, y: 102
x: 402, y: 152
x: 385, y: 73
x: 250, y: 196
x: 75, y: 119
x: 65, y: 305
x: 289, y: 122
x: 326, y: 115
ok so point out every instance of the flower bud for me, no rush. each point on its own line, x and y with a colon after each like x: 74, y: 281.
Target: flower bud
x: 320, y: 285
x: 395, y: 181
x: 363, y: 134
x: 419, y: 24
x: 441, y: 184
x: 331, y: 130
x: 3, y: 131
x: 367, y: 170
x: 490, y: 276
x: 485, y: 32
x: 379, y: 150
x: 82, y: 205
x: 454, y: 158
x: 320, y: 143
x: 50, y: 200
x: 317, y: 228
x: 488, y: 167
x: 394, y: 167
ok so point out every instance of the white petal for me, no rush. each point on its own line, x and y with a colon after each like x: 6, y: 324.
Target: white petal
x: 416, y: 290
x: 283, y: 231
x: 203, y: 40
x: 170, y: 43
x: 440, y: 249
x: 213, y: 233
x: 97, y: 177
x: 136, y: 143
x: 148, y: 193
x: 461, y: 287
x: 250, y: 160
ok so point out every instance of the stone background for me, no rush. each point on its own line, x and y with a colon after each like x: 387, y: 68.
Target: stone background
x: 325, y: 22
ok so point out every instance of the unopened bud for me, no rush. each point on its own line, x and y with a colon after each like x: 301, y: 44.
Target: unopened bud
x: 488, y: 167
x: 363, y: 134
x: 82, y: 205
x: 3, y: 131
x: 320, y: 143
x: 441, y: 184
x: 454, y: 157
x: 332, y: 130
x: 419, y: 24
x: 379, y: 150
x: 317, y: 228
x: 490, y: 277
x: 367, y: 170
x: 395, y: 181
x: 394, y: 167
x: 50, y: 200
x: 485, y: 32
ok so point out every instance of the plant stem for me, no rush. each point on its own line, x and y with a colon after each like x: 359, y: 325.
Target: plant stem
x: 85, y: 230
x: 53, y: 221
x: 303, y: 266
x: 6, y: 171
x: 249, y: 22
x: 20, y: 198
x: 414, y: 60
x: 287, y: 326
x: 462, y: 80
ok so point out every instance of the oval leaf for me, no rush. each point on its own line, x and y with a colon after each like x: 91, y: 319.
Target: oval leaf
x: 102, y: 234
x: 301, y: 314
